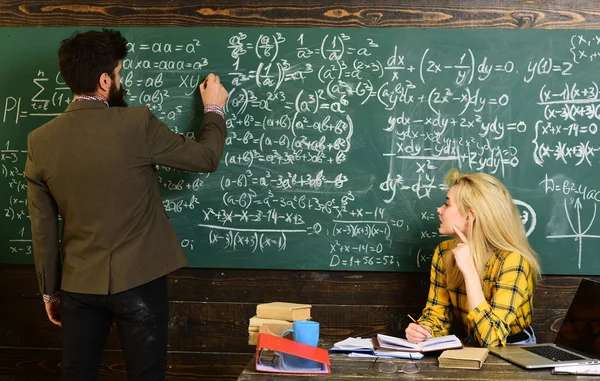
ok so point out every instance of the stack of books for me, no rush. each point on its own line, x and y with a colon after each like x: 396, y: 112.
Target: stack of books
x: 274, y: 318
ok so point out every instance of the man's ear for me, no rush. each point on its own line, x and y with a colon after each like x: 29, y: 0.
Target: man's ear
x: 104, y: 83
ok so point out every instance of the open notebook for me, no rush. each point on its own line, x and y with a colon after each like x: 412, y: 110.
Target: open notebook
x: 357, y: 347
x: 429, y: 345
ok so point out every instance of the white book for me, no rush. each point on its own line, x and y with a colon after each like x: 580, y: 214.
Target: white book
x: 358, y: 347
x: 428, y: 345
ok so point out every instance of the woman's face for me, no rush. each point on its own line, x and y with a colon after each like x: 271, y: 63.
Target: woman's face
x: 450, y: 216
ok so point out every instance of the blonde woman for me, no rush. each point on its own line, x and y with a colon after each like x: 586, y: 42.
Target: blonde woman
x: 486, y: 274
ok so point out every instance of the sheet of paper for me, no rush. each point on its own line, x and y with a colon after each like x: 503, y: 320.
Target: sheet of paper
x: 391, y: 341
x: 354, y: 343
x: 391, y: 354
x: 578, y: 369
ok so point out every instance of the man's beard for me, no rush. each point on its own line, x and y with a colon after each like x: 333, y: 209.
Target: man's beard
x: 117, y: 96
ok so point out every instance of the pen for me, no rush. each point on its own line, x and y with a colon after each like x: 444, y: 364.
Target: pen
x: 417, y: 323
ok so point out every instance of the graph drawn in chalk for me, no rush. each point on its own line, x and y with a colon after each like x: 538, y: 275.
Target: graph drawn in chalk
x: 578, y: 234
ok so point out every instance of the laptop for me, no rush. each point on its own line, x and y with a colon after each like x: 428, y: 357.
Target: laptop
x: 577, y: 341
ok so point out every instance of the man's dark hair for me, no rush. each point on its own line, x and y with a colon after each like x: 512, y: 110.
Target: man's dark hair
x: 84, y: 57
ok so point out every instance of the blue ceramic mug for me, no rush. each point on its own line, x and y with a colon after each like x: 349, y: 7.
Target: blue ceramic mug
x: 305, y: 332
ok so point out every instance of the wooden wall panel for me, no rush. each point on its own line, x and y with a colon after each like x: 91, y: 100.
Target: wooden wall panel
x: 222, y: 327
x: 299, y: 286
x: 210, y: 309
x: 554, y: 14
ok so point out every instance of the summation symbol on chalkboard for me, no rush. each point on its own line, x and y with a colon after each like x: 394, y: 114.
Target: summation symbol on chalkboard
x: 578, y: 234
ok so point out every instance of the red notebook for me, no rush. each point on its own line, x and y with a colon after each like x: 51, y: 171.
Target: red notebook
x: 279, y: 355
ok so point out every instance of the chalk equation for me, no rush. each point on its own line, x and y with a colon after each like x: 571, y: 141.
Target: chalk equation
x: 338, y: 141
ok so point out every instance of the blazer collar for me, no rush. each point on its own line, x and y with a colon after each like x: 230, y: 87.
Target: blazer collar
x: 81, y: 105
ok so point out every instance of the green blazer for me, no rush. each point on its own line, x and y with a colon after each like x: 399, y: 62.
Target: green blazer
x: 95, y: 166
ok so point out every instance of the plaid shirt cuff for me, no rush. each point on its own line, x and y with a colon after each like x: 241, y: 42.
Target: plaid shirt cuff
x: 214, y: 108
x: 52, y: 298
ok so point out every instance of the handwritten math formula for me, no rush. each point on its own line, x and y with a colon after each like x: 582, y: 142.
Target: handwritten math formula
x: 339, y: 140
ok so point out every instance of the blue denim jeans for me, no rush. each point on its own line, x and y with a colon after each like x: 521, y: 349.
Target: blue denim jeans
x: 141, y: 315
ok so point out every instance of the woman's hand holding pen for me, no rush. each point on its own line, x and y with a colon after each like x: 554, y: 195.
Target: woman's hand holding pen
x: 416, y: 333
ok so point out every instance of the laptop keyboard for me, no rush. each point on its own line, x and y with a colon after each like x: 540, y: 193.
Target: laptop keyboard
x: 552, y: 353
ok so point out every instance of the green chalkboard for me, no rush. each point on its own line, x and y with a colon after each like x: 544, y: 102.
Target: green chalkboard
x: 339, y: 139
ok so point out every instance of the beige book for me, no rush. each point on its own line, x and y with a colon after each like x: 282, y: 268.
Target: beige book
x: 465, y: 358
x: 283, y: 311
x: 274, y: 329
x: 271, y: 329
x: 252, y: 337
x: 271, y: 326
x: 255, y: 321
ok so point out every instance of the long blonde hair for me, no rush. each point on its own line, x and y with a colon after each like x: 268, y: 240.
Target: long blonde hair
x: 496, y: 226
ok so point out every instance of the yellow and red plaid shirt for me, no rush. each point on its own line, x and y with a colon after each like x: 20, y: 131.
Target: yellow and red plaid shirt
x: 508, y: 290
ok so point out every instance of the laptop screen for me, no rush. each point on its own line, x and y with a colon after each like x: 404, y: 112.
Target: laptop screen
x: 580, y: 330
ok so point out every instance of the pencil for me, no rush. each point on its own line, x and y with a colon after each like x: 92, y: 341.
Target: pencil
x: 416, y: 322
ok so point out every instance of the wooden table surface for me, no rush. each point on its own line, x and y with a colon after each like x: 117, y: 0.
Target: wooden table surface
x: 352, y: 368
